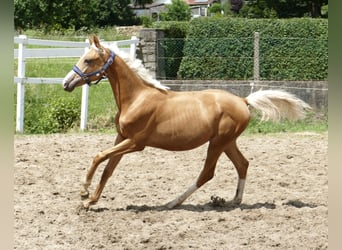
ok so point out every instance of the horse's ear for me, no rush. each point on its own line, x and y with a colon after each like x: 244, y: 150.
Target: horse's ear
x: 94, y: 40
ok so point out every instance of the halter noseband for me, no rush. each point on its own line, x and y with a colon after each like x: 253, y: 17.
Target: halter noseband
x: 85, y: 77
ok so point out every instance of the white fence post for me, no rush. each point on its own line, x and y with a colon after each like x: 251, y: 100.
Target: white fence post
x: 133, y: 48
x: 73, y: 49
x: 20, y: 85
x: 84, y: 105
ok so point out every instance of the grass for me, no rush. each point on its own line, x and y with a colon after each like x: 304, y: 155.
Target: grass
x: 315, y: 122
x: 107, y: 33
x: 102, y: 108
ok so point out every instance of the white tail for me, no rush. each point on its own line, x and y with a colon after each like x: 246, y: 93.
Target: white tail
x: 277, y: 104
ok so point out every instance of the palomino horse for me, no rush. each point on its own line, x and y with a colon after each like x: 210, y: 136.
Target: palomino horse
x: 151, y: 115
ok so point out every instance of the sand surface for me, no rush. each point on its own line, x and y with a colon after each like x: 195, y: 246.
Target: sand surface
x: 285, y: 203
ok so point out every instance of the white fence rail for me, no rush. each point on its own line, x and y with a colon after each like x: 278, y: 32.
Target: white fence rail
x: 65, y: 49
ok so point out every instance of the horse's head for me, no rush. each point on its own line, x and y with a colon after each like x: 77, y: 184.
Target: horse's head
x: 91, y: 67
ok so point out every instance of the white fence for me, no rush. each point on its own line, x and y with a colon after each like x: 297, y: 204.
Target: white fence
x: 65, y: 49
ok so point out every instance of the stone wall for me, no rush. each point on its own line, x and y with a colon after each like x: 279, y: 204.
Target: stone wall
x: 128, y: 31
x: 147, y: 49
x: 315, y: 93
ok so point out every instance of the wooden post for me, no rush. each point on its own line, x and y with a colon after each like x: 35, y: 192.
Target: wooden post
x: 20, y: 85
x: 256, y: 57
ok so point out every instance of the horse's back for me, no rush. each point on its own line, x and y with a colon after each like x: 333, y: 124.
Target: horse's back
x: 215, y: 103
x: 235, y: 114
x: 227, y: 102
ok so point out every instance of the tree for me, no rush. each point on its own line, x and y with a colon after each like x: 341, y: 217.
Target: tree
x: 215, y: 8
x: 284, y: 8
x: 178, y: 10
x: 316, y: 7
x: 236, y: 5
x: 75, y: 14
x: 113, y: 12
x: 52, y: 14
x: 141, y: 3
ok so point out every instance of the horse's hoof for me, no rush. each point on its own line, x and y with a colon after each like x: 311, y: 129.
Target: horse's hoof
x: 233, y: 203
x: 86, y: 205
x: 237, y: 201
x: 80, y: 208
x: 84, y: 194
x: 171, y: 205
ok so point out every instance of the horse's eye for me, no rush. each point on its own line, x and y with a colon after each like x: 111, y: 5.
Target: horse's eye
x: 87, y: 61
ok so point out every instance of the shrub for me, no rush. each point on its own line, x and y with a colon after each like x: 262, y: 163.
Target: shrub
x: 178, y: 10
x: 64, y: 113
x: 50, y: 114
x: 215, y: 8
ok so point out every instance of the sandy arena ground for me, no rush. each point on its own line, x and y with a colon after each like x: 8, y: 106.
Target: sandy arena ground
x: 285, y: 203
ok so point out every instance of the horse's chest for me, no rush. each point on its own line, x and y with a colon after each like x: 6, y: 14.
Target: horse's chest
x: 131, y: 125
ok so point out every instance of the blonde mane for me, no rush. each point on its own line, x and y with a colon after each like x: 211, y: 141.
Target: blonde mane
x: 138, y: 68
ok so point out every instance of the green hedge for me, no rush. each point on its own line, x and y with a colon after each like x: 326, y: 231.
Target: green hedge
x: 223, y: 48
x: 170, y: 49
x: 173, y: 29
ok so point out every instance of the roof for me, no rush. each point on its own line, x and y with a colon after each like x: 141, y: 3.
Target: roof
x: 199, y: 2
x: 158, y: 3
x: 189, y: 2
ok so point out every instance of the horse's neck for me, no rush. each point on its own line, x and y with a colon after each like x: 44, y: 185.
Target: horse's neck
x: 125, y: 84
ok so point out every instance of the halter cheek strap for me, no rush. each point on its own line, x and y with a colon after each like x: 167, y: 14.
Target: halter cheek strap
x: 85, y: 77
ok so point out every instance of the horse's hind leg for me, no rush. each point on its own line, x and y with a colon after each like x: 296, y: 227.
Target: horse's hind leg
x: 207, y: 174
x: 241, y: 165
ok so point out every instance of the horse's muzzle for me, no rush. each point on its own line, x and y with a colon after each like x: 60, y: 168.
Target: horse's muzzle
x: 70, y: 82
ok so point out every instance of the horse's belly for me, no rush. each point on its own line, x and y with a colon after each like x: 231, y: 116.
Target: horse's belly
x: 171, y: 138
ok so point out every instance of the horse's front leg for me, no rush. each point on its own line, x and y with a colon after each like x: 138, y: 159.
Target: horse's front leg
x: 107, y: 172
x: 84, y: 190
x: 114, y: 154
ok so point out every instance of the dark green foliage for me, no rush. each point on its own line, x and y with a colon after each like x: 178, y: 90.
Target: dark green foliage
x: 178, y: 10
x: 64, y: 113
x: 223, y: 48
x: 47, y: 112
x: 72, y: 14
x: 285, y: 59
x: 113, y: 12
x: 217, y: 58
x: 170, y: 49
x: 284, y: 8
x: 215, y: 8
x: 141, y: 3
x: 170, y: 54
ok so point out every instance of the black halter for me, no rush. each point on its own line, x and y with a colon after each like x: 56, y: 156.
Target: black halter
x: 85, y: 77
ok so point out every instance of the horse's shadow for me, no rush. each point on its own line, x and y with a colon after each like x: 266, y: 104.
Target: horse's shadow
x: 200, y: 208
x: 209, y: 206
